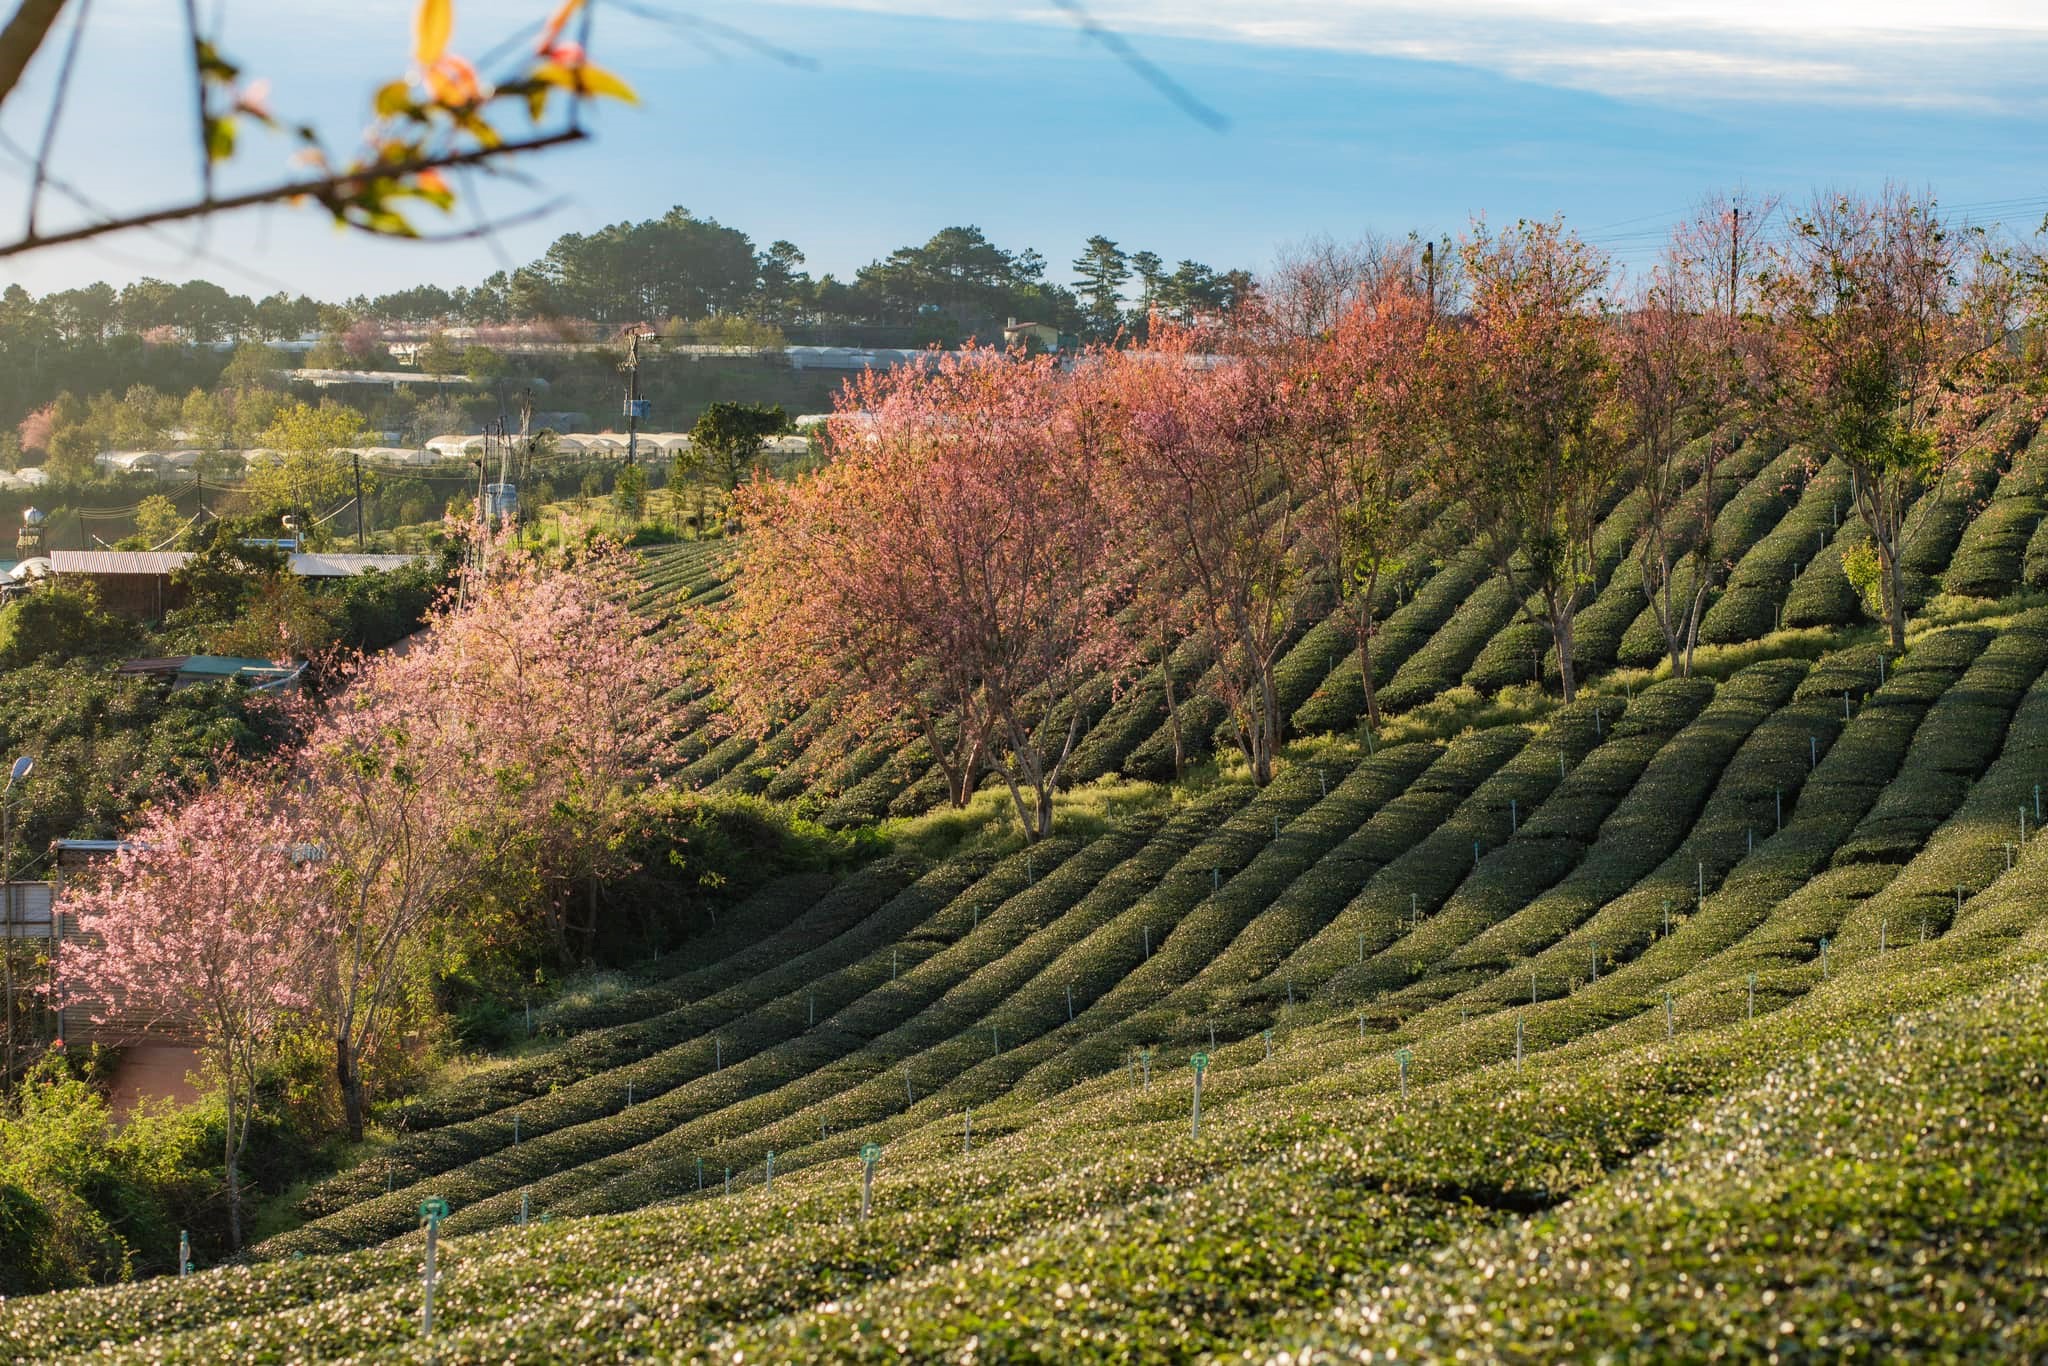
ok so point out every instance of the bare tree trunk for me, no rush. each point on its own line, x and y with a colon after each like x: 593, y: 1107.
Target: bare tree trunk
x: 1895, y: 599
x: 1361, y: 628
x: 1563, y: 612
x: 1669, y: 620
x: 1265, y: 727
x: 1372, y: 694
x: 348, y: 1073
x: 230, y: 1157
x: 1692, y: 625
x: 1172, y: 712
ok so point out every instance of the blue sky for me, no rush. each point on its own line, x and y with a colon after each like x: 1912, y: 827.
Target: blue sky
x: 1343, y: 116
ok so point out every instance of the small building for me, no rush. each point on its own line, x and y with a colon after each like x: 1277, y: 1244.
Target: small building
x: 1031, y: 336
x: 138, y: 583
x: 130, y: 583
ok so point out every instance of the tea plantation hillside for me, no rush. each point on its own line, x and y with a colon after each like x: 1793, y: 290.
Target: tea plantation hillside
x: 1697, y: 1017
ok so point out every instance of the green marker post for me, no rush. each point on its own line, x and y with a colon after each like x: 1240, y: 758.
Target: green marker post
x: 870, y: 1154
x: 433, y: 1210
x: 1200, y: 1062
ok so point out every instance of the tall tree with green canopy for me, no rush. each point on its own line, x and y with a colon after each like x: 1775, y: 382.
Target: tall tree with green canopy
x: 1882, y: 308
x: 1101, y: 270
x: 309, y: 472
x: 726, y: 439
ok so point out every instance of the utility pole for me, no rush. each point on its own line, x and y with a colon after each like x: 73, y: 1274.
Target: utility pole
x: 636, y: 407
x: 483, y: 517
x: 525, y: 438
x: 356, y: 459
x: 505, y: 489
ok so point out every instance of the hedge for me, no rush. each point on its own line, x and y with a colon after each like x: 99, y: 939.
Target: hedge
x: 1438, y: 666
x: 1517, y: 919
x: 1750, y: 604
x: 1935, y: 528
x: 1340, y: 701
x: 1420, y: 881
x: 1821, y: 594
x: 1959, y: 737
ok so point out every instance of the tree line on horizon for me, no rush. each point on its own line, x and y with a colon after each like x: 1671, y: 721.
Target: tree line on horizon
x: 684, y: 268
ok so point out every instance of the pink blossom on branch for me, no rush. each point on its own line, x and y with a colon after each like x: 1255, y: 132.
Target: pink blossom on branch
x: 213, y: 918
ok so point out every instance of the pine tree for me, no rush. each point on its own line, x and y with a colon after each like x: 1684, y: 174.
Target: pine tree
x: 1101, y: 270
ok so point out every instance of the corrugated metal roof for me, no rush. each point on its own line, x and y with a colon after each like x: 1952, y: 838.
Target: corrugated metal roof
x: 165, y: 562
x: 117, y: 561
x: 326, y: 566
x: 222, y: 666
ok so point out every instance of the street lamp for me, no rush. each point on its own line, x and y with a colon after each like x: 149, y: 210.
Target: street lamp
x: 23, y: 766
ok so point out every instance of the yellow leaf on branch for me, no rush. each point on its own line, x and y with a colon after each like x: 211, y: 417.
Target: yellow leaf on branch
x: 431, y: 28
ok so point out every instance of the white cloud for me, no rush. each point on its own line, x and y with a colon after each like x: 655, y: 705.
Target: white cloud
x: 1965, y: 54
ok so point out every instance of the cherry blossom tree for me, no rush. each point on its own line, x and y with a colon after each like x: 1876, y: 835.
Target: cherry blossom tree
x: 1206, y: 501
x: 1359, y: 400
x: 506, y: 743
x: 562, y: 674
x: 950, y: 568
x: 212, y: 918
x: 1526, y: 448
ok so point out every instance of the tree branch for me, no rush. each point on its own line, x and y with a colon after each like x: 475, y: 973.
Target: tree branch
x: 324, y: 190
x: 199, y: 100
x: 23, y: 37
x: 49, y: 139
